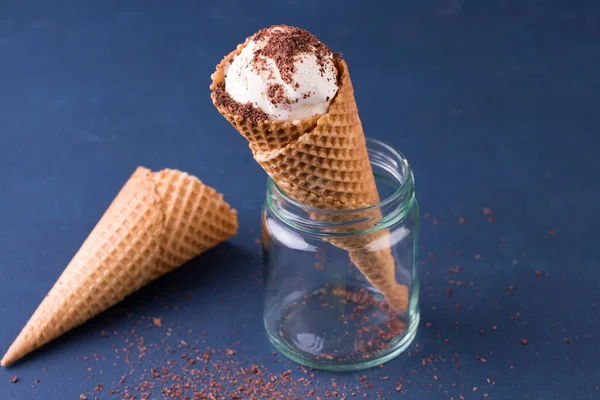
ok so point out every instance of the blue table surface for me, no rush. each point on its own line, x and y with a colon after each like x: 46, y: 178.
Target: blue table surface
x: 495, y: 104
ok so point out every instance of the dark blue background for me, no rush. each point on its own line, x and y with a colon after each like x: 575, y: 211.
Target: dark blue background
x: 495, y: 103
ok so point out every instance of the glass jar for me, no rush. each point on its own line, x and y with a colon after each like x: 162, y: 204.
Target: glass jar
x: 325, y: 311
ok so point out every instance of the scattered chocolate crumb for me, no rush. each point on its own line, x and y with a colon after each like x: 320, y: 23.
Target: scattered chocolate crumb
x: 539, y: 273
x: 492, y: 220
x: 157, y: 321
x: 462, y: 221
x: 568, y: 340
x: 435, y: 221
x: 481, y: 332
x: 524, y: 342
x: 14, y: 379
x: 82, y: 397
x: 455, y: 270
x: 494, y: 328
x: 448, y: 292
x: 487, y: 212
x: 103, y: 333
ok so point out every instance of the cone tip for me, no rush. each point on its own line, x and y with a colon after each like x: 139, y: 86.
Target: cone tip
x: 6, y: 360
x: 15, y: 352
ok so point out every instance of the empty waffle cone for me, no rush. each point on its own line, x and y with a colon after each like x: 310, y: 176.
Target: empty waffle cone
x: 157, y: 222
x: 323, y: 162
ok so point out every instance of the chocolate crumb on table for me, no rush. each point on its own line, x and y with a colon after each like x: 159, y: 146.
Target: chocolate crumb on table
x: 14, y: 379
x: 455, y: 270
x: 180, y: 366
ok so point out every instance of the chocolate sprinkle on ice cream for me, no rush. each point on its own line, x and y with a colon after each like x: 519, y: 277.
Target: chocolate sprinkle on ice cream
x: 276, y: 94
x: 248, y: 111
x: 284, y: 45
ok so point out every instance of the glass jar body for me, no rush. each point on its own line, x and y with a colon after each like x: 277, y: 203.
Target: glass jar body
x: 325, y: 305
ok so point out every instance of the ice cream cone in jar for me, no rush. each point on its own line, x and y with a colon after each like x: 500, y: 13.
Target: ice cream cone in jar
x: 292, y: 98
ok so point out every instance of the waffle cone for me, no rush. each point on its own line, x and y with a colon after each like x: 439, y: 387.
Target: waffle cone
x: 323, y: 162
x: 157, y: 222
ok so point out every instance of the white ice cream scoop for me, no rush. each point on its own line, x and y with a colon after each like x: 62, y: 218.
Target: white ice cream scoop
x: 285, y: 72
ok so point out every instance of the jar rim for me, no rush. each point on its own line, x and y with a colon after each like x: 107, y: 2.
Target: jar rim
x: 405, y: 185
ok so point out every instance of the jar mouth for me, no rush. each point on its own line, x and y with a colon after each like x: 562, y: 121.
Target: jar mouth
x: 381, y: 156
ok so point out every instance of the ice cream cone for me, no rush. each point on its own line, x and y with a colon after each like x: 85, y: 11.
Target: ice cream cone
x: 157, y: 222
x: 323, y: 162
x: 263, y: 135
